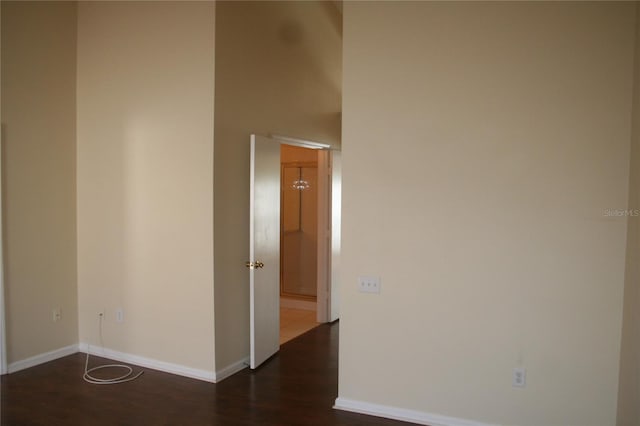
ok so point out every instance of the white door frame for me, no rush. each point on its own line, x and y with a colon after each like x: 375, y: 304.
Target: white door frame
x: 325, y: 275
x: 3, y: 330
x: 323, y: 278
x: 335, y: 238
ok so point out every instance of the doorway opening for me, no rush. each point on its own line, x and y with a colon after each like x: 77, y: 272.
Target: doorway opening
x: 265, y: 237
x: 300, y: 203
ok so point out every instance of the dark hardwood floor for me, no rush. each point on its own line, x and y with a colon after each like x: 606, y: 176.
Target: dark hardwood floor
x: 298, y: 386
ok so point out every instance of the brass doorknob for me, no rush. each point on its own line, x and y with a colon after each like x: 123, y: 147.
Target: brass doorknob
x: 254, y: 265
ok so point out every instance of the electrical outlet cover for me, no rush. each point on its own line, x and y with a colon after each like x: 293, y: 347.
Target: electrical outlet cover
x: 369, y: 284
x: 519, y: 378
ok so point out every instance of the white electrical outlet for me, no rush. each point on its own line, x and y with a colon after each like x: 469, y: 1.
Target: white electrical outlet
x: 57, y: 314
x: 119, y: 315
x: 369, y: 284
x: 519, y: 378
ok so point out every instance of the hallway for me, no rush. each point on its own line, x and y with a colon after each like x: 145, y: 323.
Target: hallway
x: 294, y: 322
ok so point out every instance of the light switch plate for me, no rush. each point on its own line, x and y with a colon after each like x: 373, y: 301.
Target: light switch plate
x: 369, y: 284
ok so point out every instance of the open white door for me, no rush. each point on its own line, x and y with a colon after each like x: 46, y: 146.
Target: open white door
x: 264, y: 249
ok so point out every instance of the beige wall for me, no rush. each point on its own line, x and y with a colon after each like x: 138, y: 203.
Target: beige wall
x: 629, y: 391
x: 482, y: 142
x: 39, y: 181
x: 145, y: 178
x: 278, y: 70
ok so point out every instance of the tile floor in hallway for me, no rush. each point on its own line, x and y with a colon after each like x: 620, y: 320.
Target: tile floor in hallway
x: 294, y: 322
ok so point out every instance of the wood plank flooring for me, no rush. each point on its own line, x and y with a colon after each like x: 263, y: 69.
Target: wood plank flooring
x: 298, y: 386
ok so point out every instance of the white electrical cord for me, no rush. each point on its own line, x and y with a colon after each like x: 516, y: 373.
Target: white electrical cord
x: 127, y: 377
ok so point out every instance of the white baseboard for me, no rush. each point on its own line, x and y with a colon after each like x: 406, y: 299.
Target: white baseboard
x: 231, y: 369
x: 167, y: 367
x: 402, y: 414
x: 42, y: 358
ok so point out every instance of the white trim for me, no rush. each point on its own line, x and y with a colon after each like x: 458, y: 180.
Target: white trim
x: 167, y: 367
x: 252, y: 251
x: 231, y: 369
x: 336, y: 224
x: 3, y: 328
x: 42, y: 358
x: 300, y: 142
x: 323, y: 243
x: 402, y: 414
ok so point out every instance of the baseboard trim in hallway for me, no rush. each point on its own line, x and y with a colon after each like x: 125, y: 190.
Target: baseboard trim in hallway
x: 402, y: 414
